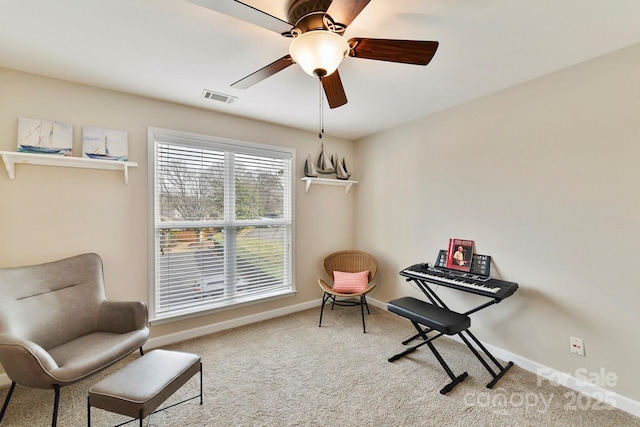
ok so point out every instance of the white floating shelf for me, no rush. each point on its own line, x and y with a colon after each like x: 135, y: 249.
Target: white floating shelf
x: 327, y: 181
x: 10, y: 159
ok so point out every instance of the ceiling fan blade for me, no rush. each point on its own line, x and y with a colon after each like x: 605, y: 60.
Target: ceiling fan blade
x: 263, y: 73
x: 345, y: 11
x: 246, y: 13
x: 333, y: 89
x: 416, y: 52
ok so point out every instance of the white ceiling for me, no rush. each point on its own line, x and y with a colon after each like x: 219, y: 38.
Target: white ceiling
x: 173, y: 50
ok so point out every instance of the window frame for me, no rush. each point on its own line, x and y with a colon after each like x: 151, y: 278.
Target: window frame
x: 158, y: 135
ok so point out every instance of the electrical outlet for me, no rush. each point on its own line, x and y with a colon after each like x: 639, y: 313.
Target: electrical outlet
x: 577, y: 346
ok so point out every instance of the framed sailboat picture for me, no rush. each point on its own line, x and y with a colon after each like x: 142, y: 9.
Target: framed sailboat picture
x: 44, y: 137
x: 105, y: 144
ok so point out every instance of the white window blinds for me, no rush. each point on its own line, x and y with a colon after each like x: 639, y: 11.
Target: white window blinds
x: 223, y: 222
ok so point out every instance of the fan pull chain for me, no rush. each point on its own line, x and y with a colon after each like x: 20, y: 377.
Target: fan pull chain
x: 321, y: 124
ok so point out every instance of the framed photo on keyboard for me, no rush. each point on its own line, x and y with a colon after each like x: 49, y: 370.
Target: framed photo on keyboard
x: 480, y: 264
x: 459, y: 255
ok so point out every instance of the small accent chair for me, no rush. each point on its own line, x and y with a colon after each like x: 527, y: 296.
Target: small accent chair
x: 58, y: 328
x: 350, y: 261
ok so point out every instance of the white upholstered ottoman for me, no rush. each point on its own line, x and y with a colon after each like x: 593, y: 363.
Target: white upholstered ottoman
x: 140, y: 387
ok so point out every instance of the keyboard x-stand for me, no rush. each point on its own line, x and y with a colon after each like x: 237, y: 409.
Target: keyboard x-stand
x: 437, y: 317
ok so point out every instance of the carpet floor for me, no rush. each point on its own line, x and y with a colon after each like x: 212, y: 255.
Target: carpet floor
x: 288, y: 372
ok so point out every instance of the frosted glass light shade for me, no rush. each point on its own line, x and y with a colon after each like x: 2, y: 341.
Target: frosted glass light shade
x: 319, y: 52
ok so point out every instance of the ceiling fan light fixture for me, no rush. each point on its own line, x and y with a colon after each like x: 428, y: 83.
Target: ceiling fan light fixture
x: 319, y: 52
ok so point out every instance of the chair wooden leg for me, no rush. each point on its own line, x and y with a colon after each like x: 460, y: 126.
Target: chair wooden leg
x: 6, y: 400
x: 56, y: 389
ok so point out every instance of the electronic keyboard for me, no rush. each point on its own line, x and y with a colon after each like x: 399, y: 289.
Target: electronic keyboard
x: 467, y: 282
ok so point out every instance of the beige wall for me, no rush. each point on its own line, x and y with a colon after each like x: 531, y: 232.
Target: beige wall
x: 49, y: 213
x: 543, y: 176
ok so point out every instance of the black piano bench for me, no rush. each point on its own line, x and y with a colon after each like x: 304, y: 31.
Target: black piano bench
x: 435, y: 319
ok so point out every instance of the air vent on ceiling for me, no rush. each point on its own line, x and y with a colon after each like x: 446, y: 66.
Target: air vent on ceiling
x: 209, y: 94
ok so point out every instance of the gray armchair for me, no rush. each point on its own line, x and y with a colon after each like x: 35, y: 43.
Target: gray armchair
x: 58, y: 328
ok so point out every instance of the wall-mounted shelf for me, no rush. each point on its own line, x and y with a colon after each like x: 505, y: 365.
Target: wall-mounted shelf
x: 327, y: 181
x: 10, y: 159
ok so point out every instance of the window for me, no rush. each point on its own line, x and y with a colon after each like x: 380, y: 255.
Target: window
x: 222, y: 223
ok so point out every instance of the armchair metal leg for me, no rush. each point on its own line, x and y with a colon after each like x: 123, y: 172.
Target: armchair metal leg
x: 364, y: 299
x: 56, y: 389
x: 325, y: 297
x: 6, y: 400
x: 363, y: 302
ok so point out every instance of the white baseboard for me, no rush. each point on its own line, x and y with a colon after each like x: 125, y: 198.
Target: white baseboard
x: 580, y: 385
x: 228, y: 324
x: 247, y: 320
x: 572, y: 382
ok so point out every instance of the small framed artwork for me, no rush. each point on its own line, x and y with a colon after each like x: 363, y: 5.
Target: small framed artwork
x: 44, y: 137
x: 460, y: 254
x: 104, y: 144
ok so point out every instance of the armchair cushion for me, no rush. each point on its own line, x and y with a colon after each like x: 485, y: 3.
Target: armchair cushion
x: 347, y: 283
x: 75, y: 363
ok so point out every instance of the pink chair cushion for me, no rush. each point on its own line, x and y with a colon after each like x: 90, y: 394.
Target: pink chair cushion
x: 350, y: 283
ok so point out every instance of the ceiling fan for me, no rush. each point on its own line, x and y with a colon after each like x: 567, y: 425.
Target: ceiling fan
x: 318, y: 46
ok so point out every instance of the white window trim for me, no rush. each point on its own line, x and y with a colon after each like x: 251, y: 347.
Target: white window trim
x: 179, y: 137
